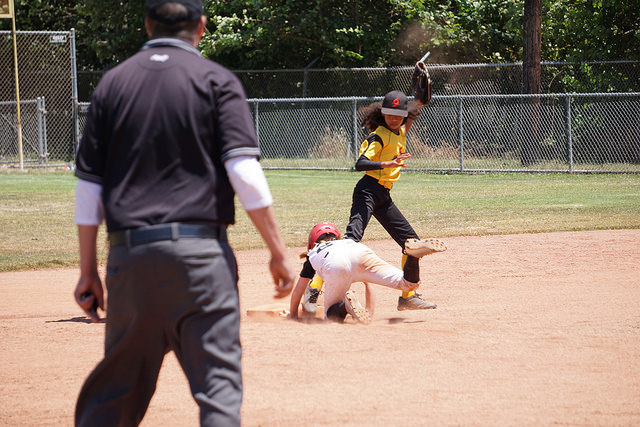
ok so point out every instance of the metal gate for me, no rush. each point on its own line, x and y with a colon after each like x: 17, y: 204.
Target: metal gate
x: 48, y: 98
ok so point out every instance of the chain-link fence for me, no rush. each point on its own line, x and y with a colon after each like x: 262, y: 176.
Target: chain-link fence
x: 467, y: 133
x: 545, y: 133
x: 34, y: 131
x: 46, y: 73
x: 461, y: 79
x: 476, y: 121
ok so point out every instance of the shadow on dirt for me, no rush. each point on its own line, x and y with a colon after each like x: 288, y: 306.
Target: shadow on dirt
x: 79, y: 319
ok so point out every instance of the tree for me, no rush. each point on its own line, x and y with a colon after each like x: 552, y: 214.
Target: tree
x: 51, y: 15
x: 531, y: 78
x: 476, y: 31
x: 589, y: 30
x: 106, y: 32
x: 110, y: 31
x: 269, y: 34
x: 262, y: 34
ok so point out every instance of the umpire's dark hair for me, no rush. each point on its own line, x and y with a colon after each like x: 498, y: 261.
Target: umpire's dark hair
x: 179, y: 28
x: 373, y: 115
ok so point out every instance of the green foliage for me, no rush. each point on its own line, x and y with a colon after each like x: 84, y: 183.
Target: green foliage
x: 106, y: 31
x: 111, y: 31
x: 587, y: 30
x: 475, y: 31
x: 270, y: 34
x: 292, y: 34
x: 50, y: 15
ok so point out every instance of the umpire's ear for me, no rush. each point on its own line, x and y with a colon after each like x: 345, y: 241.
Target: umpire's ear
x: 147, y: 26
x: 202, y: 28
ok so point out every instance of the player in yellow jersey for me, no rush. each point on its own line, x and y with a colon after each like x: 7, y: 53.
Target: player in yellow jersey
x: 382, y: 157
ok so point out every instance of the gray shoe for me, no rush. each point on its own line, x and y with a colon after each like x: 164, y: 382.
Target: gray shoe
x: 310, y: 300
x: 414, y: 302
x: 358, y: 312
x: 421, y: 247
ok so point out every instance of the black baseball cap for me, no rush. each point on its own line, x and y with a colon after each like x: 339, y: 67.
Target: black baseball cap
x: 395, y: 104
x: 195, y: 8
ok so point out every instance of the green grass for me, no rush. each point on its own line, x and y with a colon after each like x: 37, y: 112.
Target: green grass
x: 451, y: 163
x: 37, y: 230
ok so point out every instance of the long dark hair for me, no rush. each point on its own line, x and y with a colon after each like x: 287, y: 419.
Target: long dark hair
x: 373, y: 115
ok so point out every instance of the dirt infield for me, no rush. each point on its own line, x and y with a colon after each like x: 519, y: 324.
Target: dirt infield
x: 535, y: 329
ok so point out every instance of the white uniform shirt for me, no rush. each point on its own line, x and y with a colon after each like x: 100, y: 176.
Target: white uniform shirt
x: 343, y: 262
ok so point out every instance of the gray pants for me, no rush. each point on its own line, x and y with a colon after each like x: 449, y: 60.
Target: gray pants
x: 169, y: 295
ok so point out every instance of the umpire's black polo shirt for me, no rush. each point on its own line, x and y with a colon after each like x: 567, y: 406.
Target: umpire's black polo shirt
x: 159, y: 128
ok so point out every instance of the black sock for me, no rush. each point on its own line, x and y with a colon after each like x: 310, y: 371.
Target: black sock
x: 411, y: 269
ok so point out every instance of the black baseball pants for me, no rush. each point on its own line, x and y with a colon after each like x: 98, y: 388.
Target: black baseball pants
x: 373, y: 199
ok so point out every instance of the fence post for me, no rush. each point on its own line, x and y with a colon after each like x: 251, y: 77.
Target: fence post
x: 44, y: 127
x: 257, y: 125
x: 40, y: 130
x: 15, y: 67
x: 74, y: 93
x: 460, y: 134
x: 569, y: 134
x: 305, y: 76
x: 354, y: 115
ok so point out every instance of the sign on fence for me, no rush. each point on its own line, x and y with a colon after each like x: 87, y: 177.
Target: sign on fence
x: 58, y: 38
x: 6, y: 8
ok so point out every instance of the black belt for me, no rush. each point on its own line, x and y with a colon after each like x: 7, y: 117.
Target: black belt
x: 170, y: 231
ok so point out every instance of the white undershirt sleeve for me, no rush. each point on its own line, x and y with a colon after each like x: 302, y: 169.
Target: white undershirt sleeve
x: 248, y: 181
x: 88, y: 207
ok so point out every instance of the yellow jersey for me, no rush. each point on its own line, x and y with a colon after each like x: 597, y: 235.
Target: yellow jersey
x: 383, y: 145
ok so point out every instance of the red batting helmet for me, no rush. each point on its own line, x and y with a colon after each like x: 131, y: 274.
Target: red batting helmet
x: 319, y: 229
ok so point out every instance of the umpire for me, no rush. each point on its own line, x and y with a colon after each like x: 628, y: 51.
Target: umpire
x: 168, y: 144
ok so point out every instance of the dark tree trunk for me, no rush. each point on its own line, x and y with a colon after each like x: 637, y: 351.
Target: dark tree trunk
x: 531, y: 80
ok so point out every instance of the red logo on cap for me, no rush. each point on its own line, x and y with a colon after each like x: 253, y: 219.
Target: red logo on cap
x: 395, y: 102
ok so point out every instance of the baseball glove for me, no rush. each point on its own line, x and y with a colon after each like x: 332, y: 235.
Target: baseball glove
x: 421, y: 83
